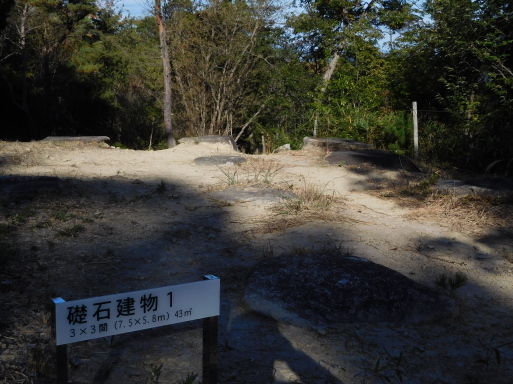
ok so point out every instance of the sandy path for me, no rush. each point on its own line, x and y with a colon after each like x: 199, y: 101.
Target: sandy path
x: 140, y: 239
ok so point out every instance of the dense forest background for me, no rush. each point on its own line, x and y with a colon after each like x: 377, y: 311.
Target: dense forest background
x: 344, y: 68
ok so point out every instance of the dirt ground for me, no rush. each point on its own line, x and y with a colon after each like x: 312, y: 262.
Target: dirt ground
x: 121, y: 220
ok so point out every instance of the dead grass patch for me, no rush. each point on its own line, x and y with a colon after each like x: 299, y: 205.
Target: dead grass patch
x: 309, y: 198
x: 311, y: 203
x: 282, y: 223
x: 468, y: 214
x: 253, y: 171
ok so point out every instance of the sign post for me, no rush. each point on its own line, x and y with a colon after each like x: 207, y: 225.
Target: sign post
x: 61, y: 355
x: 210, y: 342
x: 111, y: 315
x: 415, y: 131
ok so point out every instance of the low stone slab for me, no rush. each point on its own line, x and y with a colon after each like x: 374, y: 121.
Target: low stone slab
x: 486, y: 186
x: 373, y: 157
x: 335, y: 144
x: 210, y: 139
x: 83, y: 139
x: 253, y: 194
x: 219, y: 160
x: 325, y: 290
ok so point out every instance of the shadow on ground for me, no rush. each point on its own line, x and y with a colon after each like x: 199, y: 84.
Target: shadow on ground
x: 139, y: 234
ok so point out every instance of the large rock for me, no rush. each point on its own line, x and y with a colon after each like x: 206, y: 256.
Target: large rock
x: 219, y: 160
x: 373, y: 157
x: 486, y: 186
x: 325, y: 290
x: 83, y: 139
x: 335, y: 144
x: 256, y: 194
x: 210, y: 139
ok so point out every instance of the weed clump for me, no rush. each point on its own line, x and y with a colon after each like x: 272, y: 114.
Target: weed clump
x: 309, y: 197
x: 161, y: 188
x: 451, y: 283
x: 252, y: 172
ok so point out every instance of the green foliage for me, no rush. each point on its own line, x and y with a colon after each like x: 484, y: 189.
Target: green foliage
x: 458, y: 67
x: 219, y: 58
x: 235, y: 71
x: 155, y: 373
x: 191, y: 378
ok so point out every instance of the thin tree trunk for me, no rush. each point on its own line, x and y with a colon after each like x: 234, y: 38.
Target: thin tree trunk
x: 166, y: 63
x: 333, y: 64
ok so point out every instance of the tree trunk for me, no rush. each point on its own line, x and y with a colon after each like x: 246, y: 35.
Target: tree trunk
x: 166, y: 63
x: 333, y: 64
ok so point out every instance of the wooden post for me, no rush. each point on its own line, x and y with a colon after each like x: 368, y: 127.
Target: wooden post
x: 210, y: 342
x: 415, y: 131
x: 61, y: 357
x: 263, y: 145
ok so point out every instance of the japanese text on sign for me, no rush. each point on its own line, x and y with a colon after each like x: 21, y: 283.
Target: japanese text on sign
x: 92, y: 318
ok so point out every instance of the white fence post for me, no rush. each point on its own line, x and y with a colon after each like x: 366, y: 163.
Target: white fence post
x: 415, y: 131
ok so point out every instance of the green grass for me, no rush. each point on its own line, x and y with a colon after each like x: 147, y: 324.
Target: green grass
x: 63, y: 216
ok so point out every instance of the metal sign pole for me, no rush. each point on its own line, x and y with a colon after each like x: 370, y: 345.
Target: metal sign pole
x: 210, y: 342
x: 92, y: 318
x: 415, y: 131
x: 61, y: 356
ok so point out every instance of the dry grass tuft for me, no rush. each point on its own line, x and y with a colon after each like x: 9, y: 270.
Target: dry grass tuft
x: 312, y: 203
x: 309, y: 198
x: 468, y: 214
x: 254, y: 171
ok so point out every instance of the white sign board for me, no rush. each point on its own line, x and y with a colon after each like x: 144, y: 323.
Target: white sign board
x: 92, y: 318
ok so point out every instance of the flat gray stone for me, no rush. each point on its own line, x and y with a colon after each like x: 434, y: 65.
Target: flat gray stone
x: 219, y: 160
x: 259, y: 194
x: 322, y: 290
x: 335, y: 144
x: 373, y: 157
x: 83, y: 139
x: 210, y: 139
x: 486, y: 186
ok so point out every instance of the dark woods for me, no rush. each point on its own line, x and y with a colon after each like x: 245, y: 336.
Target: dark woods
x: 242, y: 68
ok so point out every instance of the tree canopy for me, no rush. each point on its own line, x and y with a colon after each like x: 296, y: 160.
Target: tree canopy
x: 339, y: 68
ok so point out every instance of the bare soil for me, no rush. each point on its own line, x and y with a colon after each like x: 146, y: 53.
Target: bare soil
x: 121, y: 220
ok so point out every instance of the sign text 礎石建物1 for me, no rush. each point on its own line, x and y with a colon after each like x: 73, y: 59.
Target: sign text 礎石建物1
x: 92, y: 318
